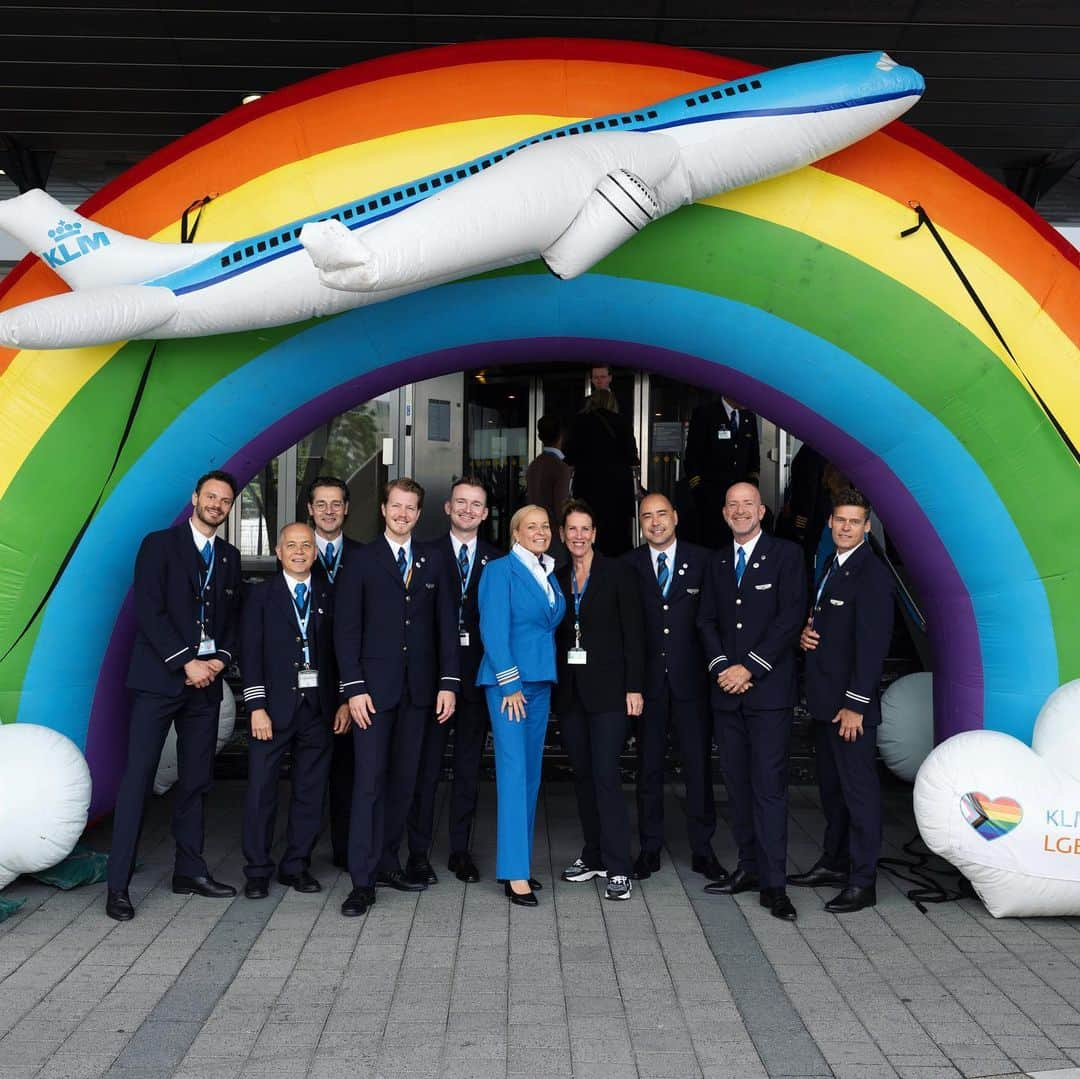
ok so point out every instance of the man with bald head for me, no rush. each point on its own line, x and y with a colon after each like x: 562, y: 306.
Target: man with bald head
x: 670, y: 577
x: 291, y: 693
x: 750, y: 617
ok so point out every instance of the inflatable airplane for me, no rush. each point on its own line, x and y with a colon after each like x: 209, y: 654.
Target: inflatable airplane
x: 569, y: 196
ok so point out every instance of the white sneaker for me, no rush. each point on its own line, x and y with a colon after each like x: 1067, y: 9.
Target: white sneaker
x: 579, y: 871
x: 618, y: 888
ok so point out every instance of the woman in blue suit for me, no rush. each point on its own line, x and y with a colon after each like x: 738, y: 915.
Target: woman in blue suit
x: 520, y: 606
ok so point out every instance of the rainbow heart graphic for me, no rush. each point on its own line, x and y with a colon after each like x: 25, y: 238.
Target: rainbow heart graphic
x: 991, y: 817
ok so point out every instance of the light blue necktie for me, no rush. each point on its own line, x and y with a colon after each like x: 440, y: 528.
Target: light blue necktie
x: 402, y: 562
x: 330, y: 554
x: 301, y: 596
x: 740, y: 565
x: 463, y: 564
x: 663, y: 574
x: 207, y: 552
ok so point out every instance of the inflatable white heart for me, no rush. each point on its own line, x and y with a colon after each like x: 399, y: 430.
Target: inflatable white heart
x: 1008, y: 815
x: 168, y: 772
x: 44, y: 798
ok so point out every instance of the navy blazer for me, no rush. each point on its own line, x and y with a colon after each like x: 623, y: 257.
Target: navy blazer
x: 387, y: 636
x: 854, y: 618
x: 674, y: 657
x: 612, y: 634
x: 271, y: 652
x: 168, y: 571
x: 469, y: 654
x: 349, y: 553
x: 517, y: 626
x: 756, y: 623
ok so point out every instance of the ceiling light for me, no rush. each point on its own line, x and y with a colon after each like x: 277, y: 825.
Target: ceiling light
x: 250, y: 98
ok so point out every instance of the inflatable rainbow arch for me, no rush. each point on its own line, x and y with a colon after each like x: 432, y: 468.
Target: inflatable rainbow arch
x: 797, y: 296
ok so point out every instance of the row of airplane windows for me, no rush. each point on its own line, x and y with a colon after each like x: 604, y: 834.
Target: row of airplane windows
x: 272, y: 242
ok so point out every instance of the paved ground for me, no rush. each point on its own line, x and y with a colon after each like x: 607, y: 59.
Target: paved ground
x: 457, y: 983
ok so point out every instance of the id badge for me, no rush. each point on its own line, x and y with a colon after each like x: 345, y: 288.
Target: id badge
x: 307, y: 679
x: 577, y: 657
x: 724, y: 432
x: 207, y: 647
x: 463, y: 638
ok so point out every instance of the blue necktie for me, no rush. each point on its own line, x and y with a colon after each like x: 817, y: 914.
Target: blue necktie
x: 663, y: 574
x: 463, y: 565
x: 402, y: 562
x: 207, y: 552
x: 740, y: 565
x: 301, y: 596
x: 330, y: 554
x: 733, y: 423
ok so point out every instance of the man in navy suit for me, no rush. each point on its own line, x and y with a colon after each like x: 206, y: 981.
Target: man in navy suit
x: 291, y: 692
x: 750, y: 617
x: 328, y: 507
x: 463, y: 549
x: 670, y: 575
x: 395, y: 636
x: 187, y: 595
x: 846, y: 639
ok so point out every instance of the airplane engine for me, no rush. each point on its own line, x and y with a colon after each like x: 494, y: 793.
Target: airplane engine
x: 621, y: 205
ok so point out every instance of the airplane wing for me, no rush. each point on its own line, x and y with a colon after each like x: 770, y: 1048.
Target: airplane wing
x: 88, y: 317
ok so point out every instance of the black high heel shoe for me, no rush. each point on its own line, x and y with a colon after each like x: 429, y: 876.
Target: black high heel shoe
x: 527, y: 900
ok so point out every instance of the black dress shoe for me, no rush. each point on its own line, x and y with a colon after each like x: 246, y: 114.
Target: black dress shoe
x: 118, y: 906
x: 816, y: 876
x: 463, y: 867
x: 535, y: 884
x: 708, y: 866
x: 852, y: 899
x: 257, y: 888
x: 418, y: 870
x: 397, y: 880
x: 360, y: 900
x: 778, y: 904
x: 204, y: 886
x: 648, y: 863
x: 739, y: 881
x: 526, y: 900
x: 302, y: 881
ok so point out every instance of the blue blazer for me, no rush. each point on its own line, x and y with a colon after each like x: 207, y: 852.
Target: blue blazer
x: 387, y: 636
x: 271, y: 653
x: 854, y: 618
x: 167, y: 601
x: 517, y: 626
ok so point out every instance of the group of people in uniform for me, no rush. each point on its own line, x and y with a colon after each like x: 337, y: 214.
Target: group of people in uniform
x: 357, y: 660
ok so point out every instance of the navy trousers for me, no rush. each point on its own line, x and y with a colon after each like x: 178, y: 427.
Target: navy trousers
x: 470, y: 723
x: 341, y: 785
x: 308, y: 735
x: 755, y: 745
x: 851, y: 800
x: 692, y: 725
x: 196, y: 719
x: 594, y: 742
x: 386, y: 759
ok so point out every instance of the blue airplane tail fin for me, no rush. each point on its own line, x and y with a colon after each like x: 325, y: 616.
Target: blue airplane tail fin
x: 86, y: 254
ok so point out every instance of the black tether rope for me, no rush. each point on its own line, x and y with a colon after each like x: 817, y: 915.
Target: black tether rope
x: 187, y: 231
x: 924, y: 219
x: 930, y: 889
x: 93, y: 509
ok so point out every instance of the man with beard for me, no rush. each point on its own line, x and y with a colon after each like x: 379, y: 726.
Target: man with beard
x: 750, y: 616
x: 187, y: 593
x: 467, y: 509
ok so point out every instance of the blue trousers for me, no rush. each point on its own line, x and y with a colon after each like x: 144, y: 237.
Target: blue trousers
x: 519, y: 757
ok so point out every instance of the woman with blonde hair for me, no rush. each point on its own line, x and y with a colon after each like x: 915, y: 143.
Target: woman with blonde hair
x: 520, y: 606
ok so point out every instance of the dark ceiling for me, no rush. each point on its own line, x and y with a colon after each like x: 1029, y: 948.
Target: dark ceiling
x: 88, y: 90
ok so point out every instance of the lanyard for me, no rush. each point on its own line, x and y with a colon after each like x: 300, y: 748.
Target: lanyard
x: 332, y: 567
x: 204, y: 584
x: 303, y: 617
x: 824, y: 581
x: 577, y: 603
x: 465, y: 582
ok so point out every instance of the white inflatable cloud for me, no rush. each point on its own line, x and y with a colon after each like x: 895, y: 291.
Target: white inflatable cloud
x: 1008, y: 815
x: 168, y: 772
x: 44, y: 798
x: 906, y: 735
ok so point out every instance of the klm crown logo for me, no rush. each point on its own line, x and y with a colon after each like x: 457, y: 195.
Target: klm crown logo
x: 69, y: 243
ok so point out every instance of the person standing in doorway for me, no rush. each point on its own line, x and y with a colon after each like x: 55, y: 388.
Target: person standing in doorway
x: 547, y: 480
